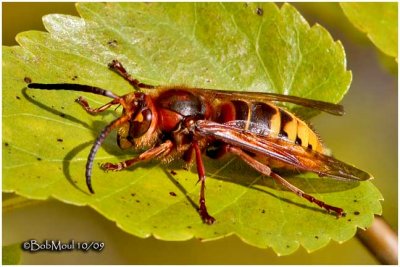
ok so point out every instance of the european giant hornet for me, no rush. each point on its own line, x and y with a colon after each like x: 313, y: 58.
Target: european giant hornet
x: 178, y: 122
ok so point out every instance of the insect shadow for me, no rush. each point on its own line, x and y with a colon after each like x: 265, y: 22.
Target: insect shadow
x: 181, y: 188
x: 67, y: 162
x: 51, y: 109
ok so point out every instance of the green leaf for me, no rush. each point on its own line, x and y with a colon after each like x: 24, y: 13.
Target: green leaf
x: 11, y: 254
x: 378, y: 21
x: 249, y: 47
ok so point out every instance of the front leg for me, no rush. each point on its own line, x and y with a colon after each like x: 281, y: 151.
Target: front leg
x: 152, y: 153
x: 116, y: 66
x: 93, y: 111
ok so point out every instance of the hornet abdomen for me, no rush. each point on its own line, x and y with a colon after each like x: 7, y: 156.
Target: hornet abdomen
x: 267, y: 119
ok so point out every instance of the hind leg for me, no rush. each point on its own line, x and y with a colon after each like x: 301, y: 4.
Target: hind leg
x: 264, y: 169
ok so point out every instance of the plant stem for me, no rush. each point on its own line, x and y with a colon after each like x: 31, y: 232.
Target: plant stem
x: 381, y: 241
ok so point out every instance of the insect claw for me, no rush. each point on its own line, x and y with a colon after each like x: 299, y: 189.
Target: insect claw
x: 111, y: 167
x: 207, y: 218
x: 104, y: 166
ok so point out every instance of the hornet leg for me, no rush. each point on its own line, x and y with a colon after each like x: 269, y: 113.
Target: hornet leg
x: 202, y: 178
x: 152, y: 153
x: 258, y: 166
x: 116, y: 66
x: 93, y: 111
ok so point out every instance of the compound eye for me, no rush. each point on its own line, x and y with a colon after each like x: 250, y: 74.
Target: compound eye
x: 141, y: 123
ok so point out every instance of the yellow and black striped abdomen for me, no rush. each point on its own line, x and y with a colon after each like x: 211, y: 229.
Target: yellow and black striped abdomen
x: 298, y: 131
x: 266, y: 118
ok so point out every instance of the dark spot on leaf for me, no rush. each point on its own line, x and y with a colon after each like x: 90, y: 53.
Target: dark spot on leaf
x: 127, y: 216
x: 74, y: 78
x: 148, y: 204
x: 39, y: 159
x: 260, y: 11
x: 62, y: 107
x: 38, y: 177
x: 287, y: 246
x: 172, y: 194
x: 133, y: 194
x: 189, y: 227
x: 6, y: 144
x: 17, y: 97
x: 355, y: 200
x: 173, y: 172
x: 316, y: 237
x: 32, y: 96
x: 27, y: 80
x: 113, y: 43
x: 349, y: 220
x: 63, y: 147
x: 356, y: 213
x: 60, y: 140
x: 137, y: 201
x: 62, y: 115
x: 262, y: 211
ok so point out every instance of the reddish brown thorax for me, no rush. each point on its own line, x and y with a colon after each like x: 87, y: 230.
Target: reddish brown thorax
x: 174, y: 105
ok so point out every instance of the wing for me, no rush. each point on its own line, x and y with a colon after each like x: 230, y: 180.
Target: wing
x: 282, y: 150
x: 259, y: 96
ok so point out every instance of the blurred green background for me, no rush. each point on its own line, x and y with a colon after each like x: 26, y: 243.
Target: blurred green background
x: 366, y: 136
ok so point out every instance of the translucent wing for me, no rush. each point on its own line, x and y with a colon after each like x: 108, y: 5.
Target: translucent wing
x: 262, y: 97
x: 281, y: 150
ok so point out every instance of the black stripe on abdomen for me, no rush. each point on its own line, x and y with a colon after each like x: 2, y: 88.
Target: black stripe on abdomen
x: 261, y: 114
x: 285, y: 119
x: 241, y: 110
